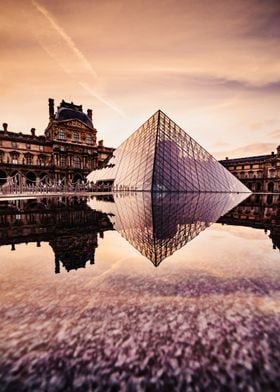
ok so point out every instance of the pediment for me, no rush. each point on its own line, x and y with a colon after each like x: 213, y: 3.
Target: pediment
x: 75, y: 124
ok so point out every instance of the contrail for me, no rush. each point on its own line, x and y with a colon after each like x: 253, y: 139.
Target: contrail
x: 78, y: 54
x: 104, y: 100
x: 65, y: 37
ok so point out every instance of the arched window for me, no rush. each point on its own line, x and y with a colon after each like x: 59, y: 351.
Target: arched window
x: 14, y: 157
x: 42, y: 160
x: 28, y: 159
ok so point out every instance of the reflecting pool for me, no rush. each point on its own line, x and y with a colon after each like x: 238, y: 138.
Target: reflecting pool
x: 140, y: 292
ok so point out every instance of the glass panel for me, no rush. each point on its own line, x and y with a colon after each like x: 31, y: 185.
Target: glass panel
x: 160, y: 156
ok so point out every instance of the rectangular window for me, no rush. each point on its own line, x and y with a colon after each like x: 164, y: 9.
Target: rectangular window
x: 41, y: 148
x: 29, y: 160
x: 89, y: 139
x: 62, y: 161
x: 62, y: 148
x: 77, y: 162
x: 76, y: 136
x: 14, y: 144
x: 90, y: 164
x: 61, y: 134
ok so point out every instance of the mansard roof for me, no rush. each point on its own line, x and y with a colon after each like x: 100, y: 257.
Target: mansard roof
x: 70, y: 111
x: 254, y: 159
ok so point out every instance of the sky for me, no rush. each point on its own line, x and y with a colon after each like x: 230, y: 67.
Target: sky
x: 212, y: 66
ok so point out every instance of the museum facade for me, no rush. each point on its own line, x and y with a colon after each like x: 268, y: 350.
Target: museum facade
x: 259, y: 173
x: 66, y: 153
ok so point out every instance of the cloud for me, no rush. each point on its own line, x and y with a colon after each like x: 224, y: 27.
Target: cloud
x: 246, y: 151
x: 202, y: 80
x: 106, y: 101
x: 275, y: 135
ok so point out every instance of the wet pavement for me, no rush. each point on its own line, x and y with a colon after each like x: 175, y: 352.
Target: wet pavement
x: 206, y: 319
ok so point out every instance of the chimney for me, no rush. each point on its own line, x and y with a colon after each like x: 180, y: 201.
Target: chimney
x: 272, y: 153
x: 5, y: 127
x: 100, y: 143
x: 33, y: 131
x: 226, y: 158
x: 89, y: 113
x: 51, y: 108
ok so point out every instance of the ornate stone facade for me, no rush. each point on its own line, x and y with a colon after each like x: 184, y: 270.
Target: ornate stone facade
x: 259, y: 173
x: 67, y: 152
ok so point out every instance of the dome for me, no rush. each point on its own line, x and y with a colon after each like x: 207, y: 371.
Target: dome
x: 72, y: 114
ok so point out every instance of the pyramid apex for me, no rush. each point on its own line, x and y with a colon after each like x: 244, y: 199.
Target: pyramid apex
x: 159, y: 113
x: 161, y: 157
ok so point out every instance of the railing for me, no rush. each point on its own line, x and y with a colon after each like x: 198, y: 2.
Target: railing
x: 18, y: 189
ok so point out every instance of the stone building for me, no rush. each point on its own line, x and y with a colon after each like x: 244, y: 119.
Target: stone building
x: 259, y: 211
x: 67, y: 224
x: 67, y: 152
x: 259, y: 173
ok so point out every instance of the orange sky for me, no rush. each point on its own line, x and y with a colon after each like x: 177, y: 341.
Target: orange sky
x: 212, y: 66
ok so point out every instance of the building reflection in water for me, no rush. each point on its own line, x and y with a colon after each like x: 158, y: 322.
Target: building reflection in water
x: 69, y: 225
x: 155, y: 224
x: 259, y: 211
x: 158, y: 224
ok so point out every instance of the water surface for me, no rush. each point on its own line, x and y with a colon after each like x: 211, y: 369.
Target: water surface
x: 140, y: 293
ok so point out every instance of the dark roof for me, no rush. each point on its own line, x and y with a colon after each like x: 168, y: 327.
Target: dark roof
x: 71, y: 114
x: 259, y: 158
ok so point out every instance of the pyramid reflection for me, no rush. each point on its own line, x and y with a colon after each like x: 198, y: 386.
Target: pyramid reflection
x: 158, y: 224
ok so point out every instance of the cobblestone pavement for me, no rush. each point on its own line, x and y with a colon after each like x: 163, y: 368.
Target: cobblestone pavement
x: 193, y: 333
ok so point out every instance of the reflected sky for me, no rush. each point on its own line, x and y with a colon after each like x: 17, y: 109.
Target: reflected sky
x: 158, y: 224
x: 208, y: 316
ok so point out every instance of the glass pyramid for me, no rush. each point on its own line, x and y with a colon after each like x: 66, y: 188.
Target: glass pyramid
x: 160, y: 156
x: 158, y: 224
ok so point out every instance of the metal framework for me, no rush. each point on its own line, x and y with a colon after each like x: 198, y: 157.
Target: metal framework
x: 158, y: 224
x: 161, y: 157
